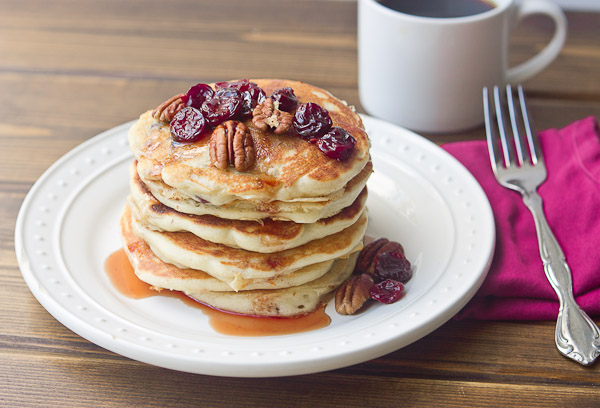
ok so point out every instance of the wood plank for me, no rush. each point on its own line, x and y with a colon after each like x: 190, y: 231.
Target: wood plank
x: 50, y: 43
x: 206, y: 40
x: 575, y: 73
x: 112, y: 386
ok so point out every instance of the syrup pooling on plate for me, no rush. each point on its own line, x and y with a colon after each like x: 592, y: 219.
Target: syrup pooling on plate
x: 240, y: 325
x: 125, y: 281
x: 122, y: 277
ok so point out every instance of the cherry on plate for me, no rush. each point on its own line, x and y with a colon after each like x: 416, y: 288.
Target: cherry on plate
x: 387, y: 291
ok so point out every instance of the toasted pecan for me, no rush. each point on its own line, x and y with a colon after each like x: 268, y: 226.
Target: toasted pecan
x: 267, y: 115
x: 232, y: 144
x: 166, y: 110
x: 352, y: 294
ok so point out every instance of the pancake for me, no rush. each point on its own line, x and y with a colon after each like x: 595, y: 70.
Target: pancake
x: 237, y: 266
x: 152, y: 270
x: 267, y: 236
x: 286, y: 167
x: 298, y: 211
x: 282, y: 302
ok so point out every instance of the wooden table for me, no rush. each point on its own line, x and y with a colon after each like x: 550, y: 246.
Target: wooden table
x: 70, y: 69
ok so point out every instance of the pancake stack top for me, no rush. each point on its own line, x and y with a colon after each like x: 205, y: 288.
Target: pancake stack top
x: 256, y: 209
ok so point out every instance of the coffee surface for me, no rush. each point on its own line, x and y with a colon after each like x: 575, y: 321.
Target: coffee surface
x: 439, y: 8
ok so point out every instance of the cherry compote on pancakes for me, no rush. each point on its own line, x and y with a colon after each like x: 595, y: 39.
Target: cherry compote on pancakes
x: 206, y: 109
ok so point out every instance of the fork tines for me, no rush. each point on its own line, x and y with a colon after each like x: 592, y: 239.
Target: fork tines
x: 503, y: 155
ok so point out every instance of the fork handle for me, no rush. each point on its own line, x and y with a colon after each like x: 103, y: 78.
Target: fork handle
x: 577, y: 336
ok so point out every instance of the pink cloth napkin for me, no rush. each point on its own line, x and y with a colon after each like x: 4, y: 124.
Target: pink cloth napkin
x: 516, y: 287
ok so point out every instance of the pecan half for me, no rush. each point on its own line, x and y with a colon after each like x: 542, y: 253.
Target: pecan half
x: 353, y: 293
x: 231, y: 144
x: 267, y: 115
x: 166, y: 110
x: 366, y: 259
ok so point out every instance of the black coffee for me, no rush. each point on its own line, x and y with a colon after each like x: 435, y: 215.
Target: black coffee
x: 439, y: 8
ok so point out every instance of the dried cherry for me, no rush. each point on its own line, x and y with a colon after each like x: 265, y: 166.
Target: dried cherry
x: 286, y: 98
x: 392, y: 265
x: 188, y: 125
x: 224, y: 105
x: 311, y: 121
x: 387, y: 291
x: 197, y: 94
x: 337, y: 143
x: 252, y: 94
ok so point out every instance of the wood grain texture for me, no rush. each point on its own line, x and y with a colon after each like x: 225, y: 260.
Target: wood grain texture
x: 70, y: 69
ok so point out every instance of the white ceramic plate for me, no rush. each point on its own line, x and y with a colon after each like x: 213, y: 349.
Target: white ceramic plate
x: 418, y: 195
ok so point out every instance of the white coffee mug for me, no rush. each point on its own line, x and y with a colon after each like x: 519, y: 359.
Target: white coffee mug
x: 426, y: 74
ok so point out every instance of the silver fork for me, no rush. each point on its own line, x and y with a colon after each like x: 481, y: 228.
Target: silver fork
x: 518, y: 164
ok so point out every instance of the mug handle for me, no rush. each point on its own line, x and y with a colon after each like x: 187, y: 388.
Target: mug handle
x: 541, y: 60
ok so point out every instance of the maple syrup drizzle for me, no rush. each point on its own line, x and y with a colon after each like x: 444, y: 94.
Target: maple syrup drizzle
x: 124, y: 279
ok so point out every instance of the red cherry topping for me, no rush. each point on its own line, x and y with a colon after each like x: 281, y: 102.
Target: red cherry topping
x: 188, y: 125
x: 252, y: 94
x: 224, y: 105
x: 197, y: 94
x: 286, y: 98
x: 337, y: 144
x: 311, y: 121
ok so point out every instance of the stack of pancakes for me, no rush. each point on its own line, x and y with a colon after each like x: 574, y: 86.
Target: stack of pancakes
x: 275, y: 240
